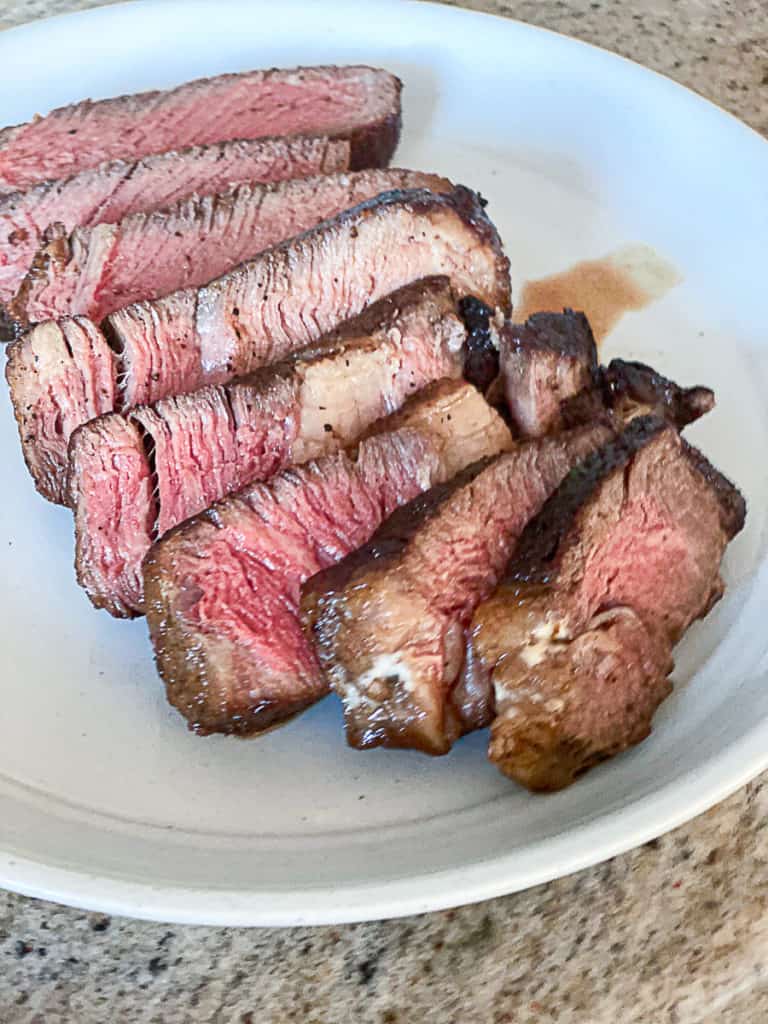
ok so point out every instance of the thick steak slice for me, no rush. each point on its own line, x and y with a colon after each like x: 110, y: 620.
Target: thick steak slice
x: 641, y: 526
x: 288, y: 296
x: 360, y: 104
x: 106, y: 194
x: 546, y: 360
x: 200, y: 447
x: 95, y: 271
x: 60, y: 375
x: 307, y: 287
x: 222, y: 589
x: 388, y: 622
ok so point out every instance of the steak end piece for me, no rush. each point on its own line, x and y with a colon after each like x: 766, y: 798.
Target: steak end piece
x: 544, y: 362
x: 635, y: 389
x: 635, y: 533
x: 388, y: 622
x: 61, y: 374
x: 357, y: 103
x: 588, y: 701
x: 223, y: 589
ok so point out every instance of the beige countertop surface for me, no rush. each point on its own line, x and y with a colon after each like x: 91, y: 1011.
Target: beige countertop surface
x: 676, y: 931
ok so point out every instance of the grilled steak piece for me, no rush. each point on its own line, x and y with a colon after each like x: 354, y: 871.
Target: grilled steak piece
x: 546, y: 360
x: 94, y: 271
x: 106, y: 194
x: 360, y: 104
x: 635, y: 533
x: 222, y: 589
x: 288, y: 296
x: 388, y: 622
x: 60, y: 375
x: 200, y: 447
x: 635, y: 389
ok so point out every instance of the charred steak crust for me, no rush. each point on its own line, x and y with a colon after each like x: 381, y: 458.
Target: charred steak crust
x: 481, y: 363
x: 636, y: 383
x: 567, y: 334
x: 733, y: 506
x: 358, y: 103
x: 534, y: 559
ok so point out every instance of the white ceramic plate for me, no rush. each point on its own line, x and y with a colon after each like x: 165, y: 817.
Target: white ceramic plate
x: 105, y: 800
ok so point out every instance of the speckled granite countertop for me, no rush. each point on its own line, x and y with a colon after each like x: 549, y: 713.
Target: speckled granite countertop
x: 676, y: 931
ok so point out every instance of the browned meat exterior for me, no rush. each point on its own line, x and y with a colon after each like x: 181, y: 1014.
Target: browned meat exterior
x: 545, y: 361
x: 635, y: 389
x: 481, y: 362
x: 222, y: 589
x: 287, y: 297
x: 111, y: 191
x: 638, y: 530
x: 96, y: 270
x: 388, y: 622
x: 60, y: 375
x: 360, y: 104
x: 198, y: 448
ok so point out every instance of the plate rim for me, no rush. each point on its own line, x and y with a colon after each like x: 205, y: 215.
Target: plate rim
x: 597, y: 841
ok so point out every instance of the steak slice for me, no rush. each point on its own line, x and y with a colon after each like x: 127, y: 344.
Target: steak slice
x: 637, y: 531
x: 222, y: 589
x: 388, y: 622
x: 551, y: 379
x: 307, y: 287
x: 200, y: 447
x: 106, y: 194
x: 543, y: 362
x: 95, y: 271
x: 287, y: 297
x: 360, y: 104
x: 60, y: 375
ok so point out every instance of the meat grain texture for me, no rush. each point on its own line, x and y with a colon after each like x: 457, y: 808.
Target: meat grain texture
x: 223, y: 589
x: 195, y: 449
x: 278, y: 303
x: 359, y: 104
x: 114, y: 190
x: 96, y: 270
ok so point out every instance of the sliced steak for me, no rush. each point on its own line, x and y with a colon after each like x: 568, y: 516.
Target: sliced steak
x: 95, y: 271
x: 106, y: 194
x: 290, y: 295
x: 635, y: 389
x: 544, y: 361
x: 61, y: 374
x: 300, y: 290
x: 360, y: 104
x: 388, y: 622
x: 200, y: 447
x: 637, y: 531
x: 222, y: 589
